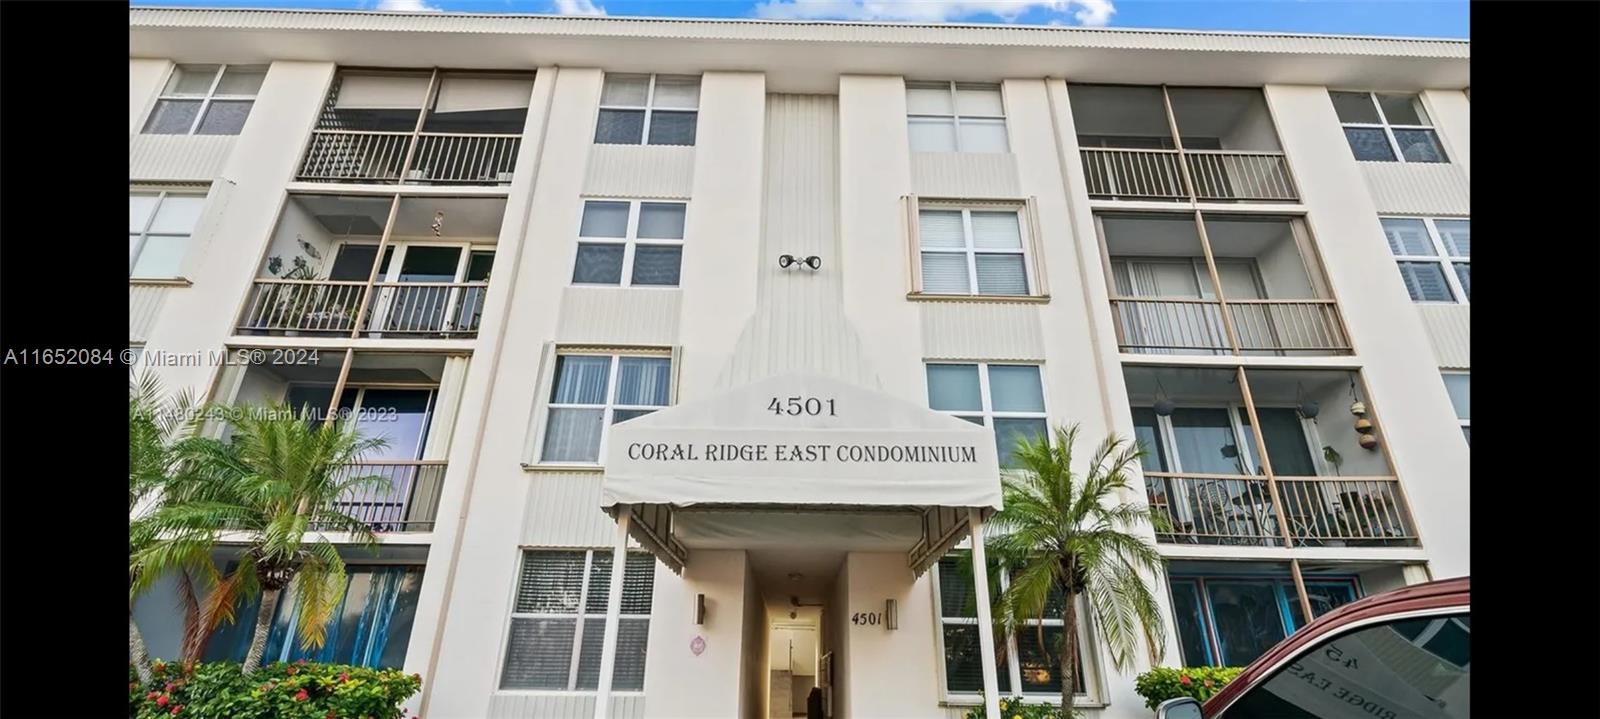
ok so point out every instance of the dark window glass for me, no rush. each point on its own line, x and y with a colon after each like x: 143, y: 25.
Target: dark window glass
x: 672, y: 128
x: 1419, y: 145
x: 430, y: 264
x: 172, y: 117
x: 1008, y: 431
x: 1369, y: 144
x: 1425, y: 281
x: 1355, y: 107
x: 1193, y: 638
x: 963, y: 661
x: 1039, y: 666
x: 598, y: 264
x: 225, y: 117
x: 656, y: 264
x: 1247, y: 619
x: 619, y: 127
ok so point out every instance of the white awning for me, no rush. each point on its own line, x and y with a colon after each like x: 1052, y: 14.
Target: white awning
x: 807, y: 443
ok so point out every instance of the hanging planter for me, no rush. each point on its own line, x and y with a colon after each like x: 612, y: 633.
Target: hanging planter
x: 1366, y: 434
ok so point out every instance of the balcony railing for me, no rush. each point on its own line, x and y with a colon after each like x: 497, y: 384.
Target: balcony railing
x: 1183, y: 326
x: 382, y: 157
x: 1220, y: 509
x: 330, y: 307
x: 1217, y: 175
x: 1230, y: 175
x: 404, y: 497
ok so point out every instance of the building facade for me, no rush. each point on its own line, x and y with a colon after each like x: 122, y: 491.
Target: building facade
x: 562, y: 264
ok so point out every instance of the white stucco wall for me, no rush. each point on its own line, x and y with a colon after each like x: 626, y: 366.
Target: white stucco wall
x: 676, y: 682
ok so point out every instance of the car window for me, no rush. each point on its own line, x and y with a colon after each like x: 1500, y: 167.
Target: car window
x: 1416, y: 668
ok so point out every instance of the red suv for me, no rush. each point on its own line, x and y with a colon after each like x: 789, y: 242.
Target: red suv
x: 1404, y: 654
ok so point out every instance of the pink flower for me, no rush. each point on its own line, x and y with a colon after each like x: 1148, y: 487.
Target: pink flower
x: 344, y: 676
x: 301, y: 696
x: 177, y: 709
x: 163, y: 700
x: 1184, y: 679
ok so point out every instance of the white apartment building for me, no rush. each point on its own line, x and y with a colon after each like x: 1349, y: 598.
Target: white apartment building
x: 760, y: 306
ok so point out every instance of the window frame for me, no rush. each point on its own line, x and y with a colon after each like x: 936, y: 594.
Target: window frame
x: 648, y: 108
x: 579, y: 617
x: 1465, y: 422
x: 1388, y: 128
x: 206, y: 100
x: 608, y: 408
x: 1284, y: 592
x: 1442, y: 257
x: 1031, y: 250
x: 955, y: 115
x: 161, y: 194
x: 630, y: 241
x: 988, y: 413
x: 1244, y: 437
x: 1087, y: 657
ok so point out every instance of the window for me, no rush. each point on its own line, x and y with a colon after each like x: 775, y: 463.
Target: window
x: 630, y: 243
x: 1229, y: 621
x: 1434, y: 255
x: 206, y: 100
x: 971, y: 251
x: 1418, y: 666
x: 159, y: 225
x: 648, y: 110
x: 558, y: 621
x: 955, y: 117
x: 1008, y: 398
x: 1387, y: 127
x: 1458, y: 384
x: 370, y: 628
x: 1034, y: 672
x: 592, y: 392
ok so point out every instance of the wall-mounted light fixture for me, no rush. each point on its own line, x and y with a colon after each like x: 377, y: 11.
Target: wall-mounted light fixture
x: 699, y: 609
x: 891, y: 614
x: 811, y: 262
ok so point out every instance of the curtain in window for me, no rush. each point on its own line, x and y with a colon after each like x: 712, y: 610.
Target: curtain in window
x: 581, y: 380
x: 369, y: 628
x: 644, y: 381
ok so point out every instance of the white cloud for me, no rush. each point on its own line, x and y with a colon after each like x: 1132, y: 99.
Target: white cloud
x: 407, y: 6
x: 579, y: 7
x: 1086, y: 12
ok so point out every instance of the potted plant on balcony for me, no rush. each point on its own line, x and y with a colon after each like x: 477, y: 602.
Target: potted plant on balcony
x: 306, y: 305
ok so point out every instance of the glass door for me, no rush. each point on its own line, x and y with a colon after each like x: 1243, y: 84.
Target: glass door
x: 418, y: 291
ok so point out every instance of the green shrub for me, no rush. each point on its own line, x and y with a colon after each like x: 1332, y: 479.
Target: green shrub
x: 1163, y: 683
x: 1014, y: 708
x: 219, y: 690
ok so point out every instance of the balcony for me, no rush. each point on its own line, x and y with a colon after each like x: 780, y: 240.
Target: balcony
x: 430, y: 128
x: 376, y: 267
x: 1164, y: 271
x: 1319, y: 484
x: 1225, y: 150
x: 409, y: 400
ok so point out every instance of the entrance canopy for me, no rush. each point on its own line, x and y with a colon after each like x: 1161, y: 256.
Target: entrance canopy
x: 801, y: 443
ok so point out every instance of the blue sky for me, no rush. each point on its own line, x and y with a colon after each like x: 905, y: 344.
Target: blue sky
x: 1417, y: 18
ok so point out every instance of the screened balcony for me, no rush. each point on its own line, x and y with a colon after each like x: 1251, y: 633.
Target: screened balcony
x: 419, y: 127
x: 1164, y: 271
x: 376, y: 266
x: 408, y: 400
x: 1318, y: 484
x: 1181, y: 143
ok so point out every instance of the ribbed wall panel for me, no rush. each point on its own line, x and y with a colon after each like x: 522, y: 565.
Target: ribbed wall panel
x: 965, y: 174
x: 616, y: 315
x: 561, y: 706
x: 1418, y: 188
x: 656, y: 171
x: 1450, y: 331
x: 144, y: 306
x: 564, y: 511
x: 799, y: 324
x: 177, y: 158
x: 1036, y: 36
x: 981, y: 330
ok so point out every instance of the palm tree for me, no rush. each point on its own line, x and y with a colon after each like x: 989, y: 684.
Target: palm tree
x: 275, y: 485
x: 1065, y: 534
x: 157, y: 426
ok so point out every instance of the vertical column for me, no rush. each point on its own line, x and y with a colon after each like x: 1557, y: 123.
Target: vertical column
x: 980, y: 576
x: 608, y: 643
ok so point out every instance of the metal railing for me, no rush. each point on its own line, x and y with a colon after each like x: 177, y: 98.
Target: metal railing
x: 1235, y: 175
x: 1221, y: 509
x: 1288, y: 326
x: 1130, y: 174
x: 409, y: 309
x: 1134, y: 174
x: 405, y: 497
x: 425, y: 158
x: 1169, y: 326
x: 1346, y: 511
x: 450, y: 309
x: 1213, y: 509
x: 1186, y: 326
x: 313, y: 306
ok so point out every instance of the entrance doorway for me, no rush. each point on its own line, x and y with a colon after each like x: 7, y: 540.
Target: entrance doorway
x: 796, y: 587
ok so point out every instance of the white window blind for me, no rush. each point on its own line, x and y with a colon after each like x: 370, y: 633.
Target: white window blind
x: 955, y: 117
x: 592, y: 392
x: 558, y: 621
x: 972, y: 251
x: 159, y: 227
